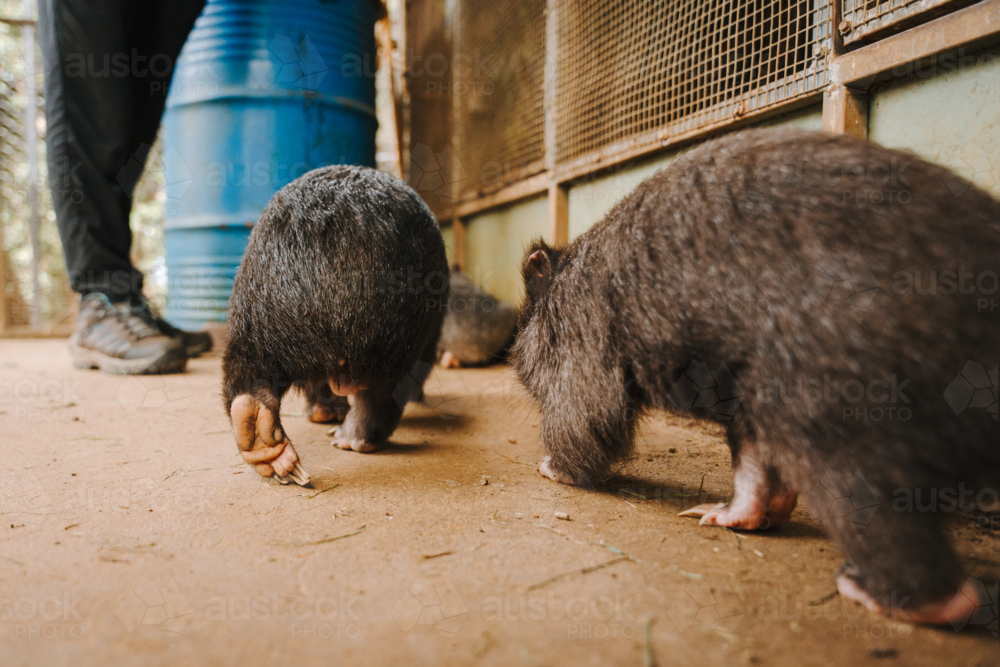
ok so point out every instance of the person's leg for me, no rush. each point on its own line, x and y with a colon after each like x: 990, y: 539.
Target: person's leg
x: 103, y: 108
x: 98, y: 113
x: 160, y: 31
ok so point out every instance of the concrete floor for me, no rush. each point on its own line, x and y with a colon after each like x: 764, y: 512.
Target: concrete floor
x: 134, y: 534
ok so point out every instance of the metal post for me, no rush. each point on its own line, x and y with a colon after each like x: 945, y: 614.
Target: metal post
x: 31, y: 144
x: 558, y: 231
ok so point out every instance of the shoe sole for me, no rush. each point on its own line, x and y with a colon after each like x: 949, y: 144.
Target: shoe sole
x: 171, y: 361
x: 198, y: 349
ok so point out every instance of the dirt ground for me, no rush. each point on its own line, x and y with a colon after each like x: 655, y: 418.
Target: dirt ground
x: 134, y: 534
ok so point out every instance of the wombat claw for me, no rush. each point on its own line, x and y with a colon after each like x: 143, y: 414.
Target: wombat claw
x: 297, y: 474
x: 262, y: 442
x: 745, y: 518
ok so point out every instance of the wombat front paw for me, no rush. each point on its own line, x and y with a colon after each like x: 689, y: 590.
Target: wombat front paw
x: 262, y: 444
x: 344, y: 440
x: 956, y: 610
x: 548, y: 470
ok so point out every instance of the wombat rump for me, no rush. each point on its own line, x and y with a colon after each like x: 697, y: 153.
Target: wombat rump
x: 827, y: 300
x: 340, y: 288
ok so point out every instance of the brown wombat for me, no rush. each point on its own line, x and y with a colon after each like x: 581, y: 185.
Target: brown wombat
x: 339, y: 288
x: 478, y: 326
x: 819, y: 296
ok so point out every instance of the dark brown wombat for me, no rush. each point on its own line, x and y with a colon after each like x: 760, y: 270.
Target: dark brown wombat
x: 819, y: 296
x: 340, y: 288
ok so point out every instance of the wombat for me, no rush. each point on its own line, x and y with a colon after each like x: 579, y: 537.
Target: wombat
x: 338, y: 288
x: 478, y: 326
x: 767, y: 261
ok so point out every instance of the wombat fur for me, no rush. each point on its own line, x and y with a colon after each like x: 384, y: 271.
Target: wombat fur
x: 341, y: 281
x: 478, y: 326
x: 769, y: 260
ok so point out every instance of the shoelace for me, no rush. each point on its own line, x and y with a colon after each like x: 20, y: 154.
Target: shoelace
x: 140, y: 308
x: 135, y: 323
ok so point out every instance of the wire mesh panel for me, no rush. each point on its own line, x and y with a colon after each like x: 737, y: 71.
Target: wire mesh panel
x: 499, y: 88
x: 631, y: 74
x: 34, y: 294
x: 866, y: 20
x: 430, y: 147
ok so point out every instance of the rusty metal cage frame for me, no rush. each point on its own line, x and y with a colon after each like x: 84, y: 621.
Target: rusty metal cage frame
x: 701, y: 64
x: 866, y: 20
x: 535, y: 108
x: 840, y: 72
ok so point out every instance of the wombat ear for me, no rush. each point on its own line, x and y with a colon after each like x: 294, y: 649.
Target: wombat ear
x: 537, y: 271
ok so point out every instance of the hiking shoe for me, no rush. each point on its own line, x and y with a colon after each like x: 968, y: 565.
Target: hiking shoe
x: 110, y: 338
x: 194, y: 342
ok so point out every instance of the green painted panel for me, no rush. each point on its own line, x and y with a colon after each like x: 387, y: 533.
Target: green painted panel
x: 449, y: 243
x: 590, y: 200
x: 496, y: 241
x: 948, y: 113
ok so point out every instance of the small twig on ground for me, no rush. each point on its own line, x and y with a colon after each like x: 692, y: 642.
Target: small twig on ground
x: 620, y: 468
x: 547, y: 528
x: 826, y: 598
x: 648, y: 659
x: 329, y: 488
x: 512, y: 460
x: 330, y: 539
x: 443, y: 553
x: 616, y: 550
x: 582, y: 571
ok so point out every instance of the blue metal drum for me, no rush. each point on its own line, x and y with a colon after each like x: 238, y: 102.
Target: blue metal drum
x: 263, y: 91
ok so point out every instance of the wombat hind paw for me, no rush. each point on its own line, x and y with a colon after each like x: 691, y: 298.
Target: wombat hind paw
x: 955, y: 611
x: 746, y: 514
x: 324, y: 415
x: 262, y: 444
x: 342, y: 439
x: 548, y: 470
x: 449, y: 360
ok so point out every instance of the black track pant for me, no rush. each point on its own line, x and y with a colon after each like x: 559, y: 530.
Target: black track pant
x: 108, y: 65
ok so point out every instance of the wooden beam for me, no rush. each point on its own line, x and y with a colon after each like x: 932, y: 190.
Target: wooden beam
x: 460, y: 245
x: 558, y: 214
x: 535, y: 185
x: 845, y: 111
